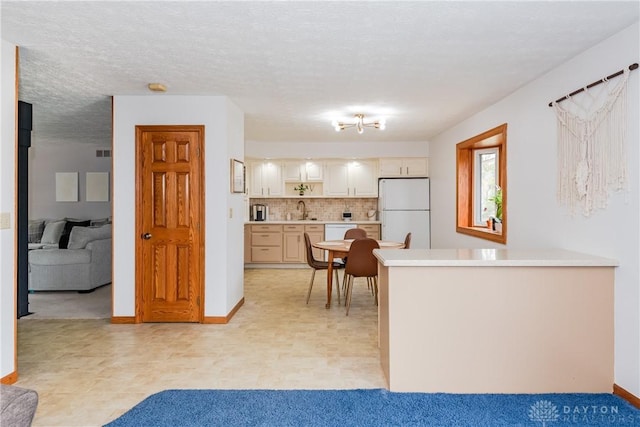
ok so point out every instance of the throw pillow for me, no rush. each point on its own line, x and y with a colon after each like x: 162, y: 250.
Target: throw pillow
x: 52, y: 232
x: 36, y: 227
x: 80, y: 236
x: 64, y: 238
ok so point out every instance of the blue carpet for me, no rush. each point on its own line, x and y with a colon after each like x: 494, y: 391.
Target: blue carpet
x: 375, y: 407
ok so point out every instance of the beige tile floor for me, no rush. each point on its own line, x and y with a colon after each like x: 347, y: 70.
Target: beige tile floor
x: 88, y: 372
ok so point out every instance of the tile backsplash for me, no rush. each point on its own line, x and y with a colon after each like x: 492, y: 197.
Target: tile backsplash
x: 320, y: 208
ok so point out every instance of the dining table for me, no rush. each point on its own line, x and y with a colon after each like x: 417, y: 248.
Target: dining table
x: 339, y: 249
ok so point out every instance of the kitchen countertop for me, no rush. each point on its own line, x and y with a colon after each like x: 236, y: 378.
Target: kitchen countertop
x: 308, y: 221
x: 489, y: 258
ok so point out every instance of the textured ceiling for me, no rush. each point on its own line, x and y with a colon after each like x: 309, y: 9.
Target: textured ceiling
x: 294, y: 66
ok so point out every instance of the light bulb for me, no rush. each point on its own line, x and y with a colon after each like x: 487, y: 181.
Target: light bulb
x: 382, y: 125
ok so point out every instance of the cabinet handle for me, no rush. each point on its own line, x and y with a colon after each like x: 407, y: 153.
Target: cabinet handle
x: 407, y: 170
x: 400, y: 170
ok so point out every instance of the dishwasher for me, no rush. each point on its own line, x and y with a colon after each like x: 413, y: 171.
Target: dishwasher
x: 335, y: 231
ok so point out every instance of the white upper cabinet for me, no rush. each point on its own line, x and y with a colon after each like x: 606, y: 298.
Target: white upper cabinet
x: 351, y: 179
x: 409, y: 166
x: 302, y: 171
x: 337, y: 179
x: 313, y: 171
x: 265, y: 179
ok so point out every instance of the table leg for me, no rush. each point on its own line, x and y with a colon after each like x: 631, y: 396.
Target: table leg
x: 329, y: 279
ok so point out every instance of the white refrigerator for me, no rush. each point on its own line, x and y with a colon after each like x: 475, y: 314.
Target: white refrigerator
x: 403, y: 204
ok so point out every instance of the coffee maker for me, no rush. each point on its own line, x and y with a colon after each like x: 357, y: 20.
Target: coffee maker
x: 259, y: 212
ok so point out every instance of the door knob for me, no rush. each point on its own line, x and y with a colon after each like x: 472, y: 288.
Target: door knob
x: 146, y: 236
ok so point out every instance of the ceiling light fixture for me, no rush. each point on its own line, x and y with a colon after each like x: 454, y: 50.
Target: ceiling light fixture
x: 360, y: 124
x: 157, y: 87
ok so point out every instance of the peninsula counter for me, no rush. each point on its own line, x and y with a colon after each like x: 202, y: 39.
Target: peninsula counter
x: 496, y: 320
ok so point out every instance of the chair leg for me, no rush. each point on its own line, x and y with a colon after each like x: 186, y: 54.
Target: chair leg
x: 313, y: 275
x: 347, y: 297
x: 344, y: 284
x: 375, y: 285
x: 337, y: 285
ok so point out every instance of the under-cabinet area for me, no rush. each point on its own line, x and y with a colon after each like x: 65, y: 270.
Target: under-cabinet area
x: 280, y: 242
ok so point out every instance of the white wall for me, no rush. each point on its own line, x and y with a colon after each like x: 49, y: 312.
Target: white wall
x: 224, y: 135
x: 45, y: 161
x: 535, y: 219
x: 7, y: 205
x: 235, y: 218
x: 319, y: 150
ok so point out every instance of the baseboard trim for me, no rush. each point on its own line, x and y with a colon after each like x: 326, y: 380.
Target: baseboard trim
x: 9, y: 379
x: 123, y: 320
x: 619, y: 391
x: 220, y: 320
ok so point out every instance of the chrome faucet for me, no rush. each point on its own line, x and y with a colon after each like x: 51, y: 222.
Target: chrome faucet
x: 305, y: 214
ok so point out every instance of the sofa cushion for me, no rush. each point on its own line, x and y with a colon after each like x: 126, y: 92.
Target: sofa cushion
x: 80, y: 236
x: 52, y: 232
x: 59, y: 257
x: 18, y: 405
x: 64, y: 238
x: 36, y: 227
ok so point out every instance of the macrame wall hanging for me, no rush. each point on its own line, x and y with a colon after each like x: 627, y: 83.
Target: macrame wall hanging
x: 592, y: 144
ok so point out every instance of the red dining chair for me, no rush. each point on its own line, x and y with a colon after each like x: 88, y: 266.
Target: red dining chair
x: 361, y: 263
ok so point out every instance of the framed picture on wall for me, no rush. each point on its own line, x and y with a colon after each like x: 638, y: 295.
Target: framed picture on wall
x: 237, y: 176
x: 66, y: 186
x: 97, y: 186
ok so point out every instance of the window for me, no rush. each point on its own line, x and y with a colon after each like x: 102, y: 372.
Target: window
x: 481, y: 167
x: 485, y: 180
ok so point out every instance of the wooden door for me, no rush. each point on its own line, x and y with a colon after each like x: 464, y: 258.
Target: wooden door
x: 169, y: 214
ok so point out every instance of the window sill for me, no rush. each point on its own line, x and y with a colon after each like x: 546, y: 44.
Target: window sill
x: 484, y: 233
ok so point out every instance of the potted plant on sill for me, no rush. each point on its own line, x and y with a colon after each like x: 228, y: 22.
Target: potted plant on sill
x: 301, y: 188
x: 497, y: 200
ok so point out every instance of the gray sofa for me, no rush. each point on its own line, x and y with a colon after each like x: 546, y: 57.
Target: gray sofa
x: 18, y: 406
x: 83, y: 266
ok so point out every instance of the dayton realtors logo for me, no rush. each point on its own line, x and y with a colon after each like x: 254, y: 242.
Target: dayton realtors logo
x: 544, y: 411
